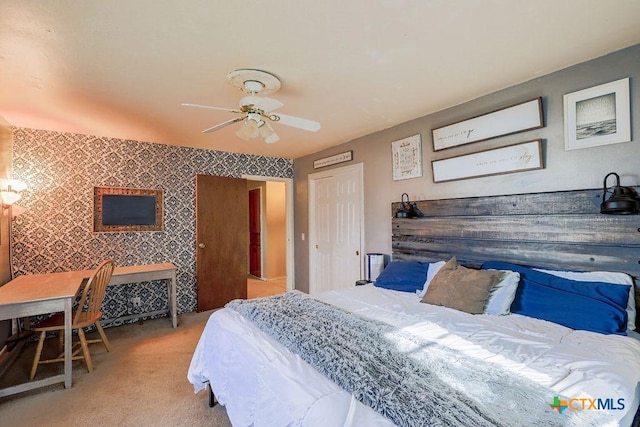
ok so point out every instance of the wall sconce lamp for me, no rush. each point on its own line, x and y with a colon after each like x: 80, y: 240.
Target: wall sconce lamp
x: 408, y: 209
x: 623, y: 200
x: 10, y: 191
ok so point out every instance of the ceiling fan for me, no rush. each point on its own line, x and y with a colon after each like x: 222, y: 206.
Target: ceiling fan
x: 256, y: 111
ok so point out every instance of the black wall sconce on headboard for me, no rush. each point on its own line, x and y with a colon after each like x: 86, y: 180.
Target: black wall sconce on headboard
x: 623, y: 200
x: 408, y: 209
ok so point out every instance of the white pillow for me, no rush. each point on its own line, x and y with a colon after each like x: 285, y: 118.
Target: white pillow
x: 502, y: 294
x: 605, y: 277
x: 434, y: 267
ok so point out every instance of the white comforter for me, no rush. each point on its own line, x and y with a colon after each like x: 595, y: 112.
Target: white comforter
x: 262, y: 384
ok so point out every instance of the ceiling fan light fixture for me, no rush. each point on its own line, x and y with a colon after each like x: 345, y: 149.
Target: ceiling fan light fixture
x: 248, y: 132
x: 268, y: 134
x: 252, y: 130
x: 253, y: 117
x: 251, y: 127
x: 272, y: 138
x: 242, y: 133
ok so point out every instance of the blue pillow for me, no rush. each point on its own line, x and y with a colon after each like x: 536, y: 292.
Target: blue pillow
x: 405, y: 276
x: 599, y: 307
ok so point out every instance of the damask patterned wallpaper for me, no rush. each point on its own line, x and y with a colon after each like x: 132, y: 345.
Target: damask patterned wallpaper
x: 55, y: 231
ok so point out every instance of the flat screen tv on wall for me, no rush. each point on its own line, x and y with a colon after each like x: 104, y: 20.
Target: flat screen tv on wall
x: 127, y: 209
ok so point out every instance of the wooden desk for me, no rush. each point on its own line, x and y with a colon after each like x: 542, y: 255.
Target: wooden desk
x: 35, y: 294
x: 145, y: 273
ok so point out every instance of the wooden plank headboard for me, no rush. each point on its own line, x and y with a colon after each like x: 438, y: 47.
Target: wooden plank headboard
x: 561, y: 230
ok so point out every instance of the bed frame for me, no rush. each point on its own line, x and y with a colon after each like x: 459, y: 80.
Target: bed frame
x: 561, y: 230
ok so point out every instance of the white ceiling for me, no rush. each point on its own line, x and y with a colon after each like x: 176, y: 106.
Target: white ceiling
x: 121, y: 68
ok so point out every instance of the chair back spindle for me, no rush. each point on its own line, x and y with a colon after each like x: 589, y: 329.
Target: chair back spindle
x: 91, y: 299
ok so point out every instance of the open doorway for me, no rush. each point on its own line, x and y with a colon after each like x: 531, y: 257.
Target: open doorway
x: 269, y: 263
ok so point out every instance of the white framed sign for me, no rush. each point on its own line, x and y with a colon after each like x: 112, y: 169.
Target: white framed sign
x: 406, y: 155
x: 517, y: 118
x: 512, y: 158
x: 332, y: 160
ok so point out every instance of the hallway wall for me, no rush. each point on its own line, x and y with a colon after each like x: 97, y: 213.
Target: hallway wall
x: 274, y: 236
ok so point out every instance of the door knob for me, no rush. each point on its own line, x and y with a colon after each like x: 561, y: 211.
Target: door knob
x: 201, y: 245
x: 357, y: 253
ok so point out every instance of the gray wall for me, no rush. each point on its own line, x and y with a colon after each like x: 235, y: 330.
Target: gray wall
x: 564, y: 170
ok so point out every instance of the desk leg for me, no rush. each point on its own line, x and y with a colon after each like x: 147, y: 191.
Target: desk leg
x: 173, y: 303
x: 67, y: 342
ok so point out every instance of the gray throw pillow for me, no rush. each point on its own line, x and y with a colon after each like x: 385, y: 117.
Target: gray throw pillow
x: 461, y: 288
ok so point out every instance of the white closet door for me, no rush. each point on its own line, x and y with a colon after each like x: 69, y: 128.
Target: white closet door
x: 335, y: 228
x: 323, y: 237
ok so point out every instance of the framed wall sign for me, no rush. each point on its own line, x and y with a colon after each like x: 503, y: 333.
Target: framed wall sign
x: 600, y: 115
x: 406, y: 155
x: 517, y: 118
x: 512, y: 158
x: 332, y: 160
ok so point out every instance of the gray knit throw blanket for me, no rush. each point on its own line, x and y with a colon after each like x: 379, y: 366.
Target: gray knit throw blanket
x: 411, y: 381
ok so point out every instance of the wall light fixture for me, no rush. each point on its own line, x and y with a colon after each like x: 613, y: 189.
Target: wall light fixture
x: 10, y: 190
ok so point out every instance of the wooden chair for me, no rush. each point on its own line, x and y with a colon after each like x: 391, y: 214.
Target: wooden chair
x: 87, y: 314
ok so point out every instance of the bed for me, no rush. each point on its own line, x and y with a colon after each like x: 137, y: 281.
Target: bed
x: 571, y: 361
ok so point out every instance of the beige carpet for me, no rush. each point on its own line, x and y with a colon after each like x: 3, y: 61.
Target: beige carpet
x: 141, y: 382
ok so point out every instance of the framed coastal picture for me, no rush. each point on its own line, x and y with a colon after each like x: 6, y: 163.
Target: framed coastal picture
x: 599, y: 115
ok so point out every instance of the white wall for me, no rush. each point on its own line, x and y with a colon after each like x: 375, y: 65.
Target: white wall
x: 564, y: 170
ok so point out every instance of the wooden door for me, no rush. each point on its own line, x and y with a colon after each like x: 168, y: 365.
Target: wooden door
x: 221, y: 238
x: 255, y: 236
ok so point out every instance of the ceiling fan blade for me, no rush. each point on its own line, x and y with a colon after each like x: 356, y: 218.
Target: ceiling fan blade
x: 269, y: 104
x: 261, y: 103
x: 231, y: 110
x: 223, y: 124
x: 296, y: 122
